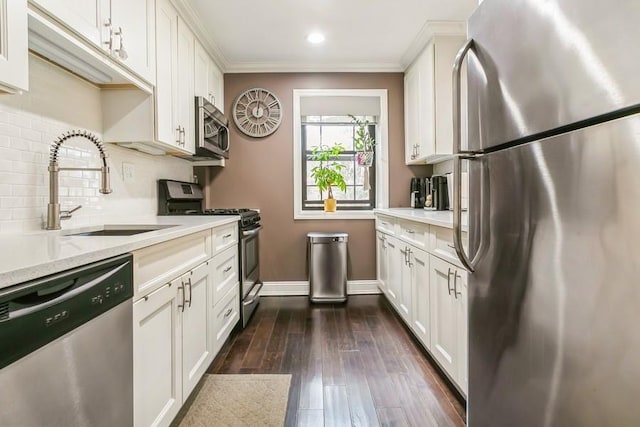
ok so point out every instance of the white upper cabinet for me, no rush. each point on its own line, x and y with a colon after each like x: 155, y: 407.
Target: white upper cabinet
x: 185, y: 102
x: 167, y: 74
x: 14, y: 61
x: 428, y: 101
x: 208, y: 78
x: 85, y: 17
x: 123, y: 30
x: 132, y: 28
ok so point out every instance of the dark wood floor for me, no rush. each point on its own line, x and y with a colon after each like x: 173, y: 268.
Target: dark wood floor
x: 351, y: 364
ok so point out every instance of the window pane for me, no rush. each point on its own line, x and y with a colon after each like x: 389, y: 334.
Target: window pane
x: 313, y: 193
x: 338, y: 134
x: 361, y: 194
x: 347, y: 171
x: 313, y: 136
x: 344, y: 195
x: 310, y: 166
x: 360, y: 175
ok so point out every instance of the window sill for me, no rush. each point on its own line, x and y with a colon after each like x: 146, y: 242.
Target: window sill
x: 315, y: 215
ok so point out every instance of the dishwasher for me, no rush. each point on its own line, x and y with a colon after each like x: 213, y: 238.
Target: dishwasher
x: 66, y: 348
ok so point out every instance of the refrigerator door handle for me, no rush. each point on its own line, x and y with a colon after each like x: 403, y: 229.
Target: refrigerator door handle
x: 458, y: 157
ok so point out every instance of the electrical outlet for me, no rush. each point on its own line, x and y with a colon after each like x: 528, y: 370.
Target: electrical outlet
x: 128, y: 173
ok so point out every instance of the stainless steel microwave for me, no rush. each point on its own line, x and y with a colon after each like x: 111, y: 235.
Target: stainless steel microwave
x: 212, y: 131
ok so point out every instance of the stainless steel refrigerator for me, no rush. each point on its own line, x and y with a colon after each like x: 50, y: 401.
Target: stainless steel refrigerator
x: 553, y: 154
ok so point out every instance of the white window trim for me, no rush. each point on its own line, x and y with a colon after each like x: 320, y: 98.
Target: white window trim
x: 382, y: 154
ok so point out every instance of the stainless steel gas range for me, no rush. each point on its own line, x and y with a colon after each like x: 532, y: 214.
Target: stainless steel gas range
x: 185, y: 198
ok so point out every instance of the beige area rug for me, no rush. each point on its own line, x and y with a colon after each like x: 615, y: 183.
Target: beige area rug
x: 237, y: 400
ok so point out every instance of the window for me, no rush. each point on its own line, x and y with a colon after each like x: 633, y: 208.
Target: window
x: 326, y: 131
x: 321, y: 116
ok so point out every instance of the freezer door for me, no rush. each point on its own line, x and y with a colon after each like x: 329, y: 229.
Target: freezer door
x: 555, y: 298
x: 538, y: 65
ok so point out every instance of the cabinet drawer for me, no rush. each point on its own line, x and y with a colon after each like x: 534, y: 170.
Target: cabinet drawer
x: 415, y: 233
x: 441, y: 244
x: 156, y: 265
x: 225, y: 273
x: 224, y: 237
x: 386, y: 224
x: 226, y: 315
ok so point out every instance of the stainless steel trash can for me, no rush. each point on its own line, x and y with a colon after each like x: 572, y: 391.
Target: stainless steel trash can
x: 327, y: 254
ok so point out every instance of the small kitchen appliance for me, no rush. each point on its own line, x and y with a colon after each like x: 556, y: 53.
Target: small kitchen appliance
x: 439, y: 193
x: 185, y: 198
x: 418, y: 193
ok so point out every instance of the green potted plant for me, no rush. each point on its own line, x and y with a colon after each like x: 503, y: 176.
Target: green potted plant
x: 363, y: 142
x: 328, y: 173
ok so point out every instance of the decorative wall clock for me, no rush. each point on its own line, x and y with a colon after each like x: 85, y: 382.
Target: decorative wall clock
x: 257, y: 112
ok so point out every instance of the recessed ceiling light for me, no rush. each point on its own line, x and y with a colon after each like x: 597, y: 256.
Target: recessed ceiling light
x: 315, y: 38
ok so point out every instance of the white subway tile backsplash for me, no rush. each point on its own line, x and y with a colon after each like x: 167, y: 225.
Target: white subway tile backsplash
x: 31, y: 122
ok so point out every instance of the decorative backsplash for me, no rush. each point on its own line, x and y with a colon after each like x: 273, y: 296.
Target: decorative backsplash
x: 29, y: 123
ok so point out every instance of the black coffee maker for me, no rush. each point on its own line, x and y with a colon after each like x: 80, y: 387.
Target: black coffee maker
x: 418, y: 193
x: 439, y: 193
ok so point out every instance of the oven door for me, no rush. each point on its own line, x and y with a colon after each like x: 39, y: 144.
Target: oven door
x: 250, y: 259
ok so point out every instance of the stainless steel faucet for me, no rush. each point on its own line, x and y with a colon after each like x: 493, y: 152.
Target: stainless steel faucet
x: 53, y: 208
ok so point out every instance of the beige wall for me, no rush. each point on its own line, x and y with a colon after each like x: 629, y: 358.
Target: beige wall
x: 259, y: 174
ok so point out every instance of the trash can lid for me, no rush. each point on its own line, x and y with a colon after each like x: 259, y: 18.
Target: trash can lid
x: 322, y: 237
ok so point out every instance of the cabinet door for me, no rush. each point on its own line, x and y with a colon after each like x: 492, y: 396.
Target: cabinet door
x: 14, y: 61
x: 421, y: 321
x: 427, y: 116
x: 197, y: 351
x: 186, y: 102
x: 404, y: 297
x: 395, y: 262
x: 166, y: 72
x: 157, y: 364
x: 135, y: 21
x: 201, y: 71
x: 85, y: 17
x: 216, y: 86
x: 444, y: 315
x: 463, y: 330
x: 412, y: 90
x: 381, y: 260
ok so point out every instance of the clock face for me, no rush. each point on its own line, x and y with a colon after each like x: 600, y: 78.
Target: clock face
x: 257, y: 112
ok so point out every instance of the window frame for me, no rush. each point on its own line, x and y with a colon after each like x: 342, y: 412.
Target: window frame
x: 381, y: 155
x: 305, y: 152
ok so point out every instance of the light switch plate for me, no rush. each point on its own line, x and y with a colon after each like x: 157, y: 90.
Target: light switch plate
x: 128, y: 173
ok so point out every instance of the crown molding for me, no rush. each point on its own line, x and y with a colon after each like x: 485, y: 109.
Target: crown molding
x: 187, y: 13
x: 430, y: 30
x: 313, y: 67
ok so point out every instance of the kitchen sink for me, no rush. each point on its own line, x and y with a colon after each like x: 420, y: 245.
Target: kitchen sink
x: 120, y: 230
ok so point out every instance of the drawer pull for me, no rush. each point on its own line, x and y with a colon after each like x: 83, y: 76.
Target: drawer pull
x: 411, y: 231
x: 226, y: 236
x: 228, y: 312
x: 451, y: 246
x: 226, y: 270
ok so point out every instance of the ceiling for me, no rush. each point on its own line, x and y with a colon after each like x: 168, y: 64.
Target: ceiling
x: 361, y: 35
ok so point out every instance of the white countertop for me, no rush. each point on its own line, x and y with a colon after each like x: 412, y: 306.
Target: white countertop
x: 29, y: 256
x: 438, y: 218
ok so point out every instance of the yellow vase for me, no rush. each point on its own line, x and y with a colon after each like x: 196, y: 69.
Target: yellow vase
x: 330, y: 205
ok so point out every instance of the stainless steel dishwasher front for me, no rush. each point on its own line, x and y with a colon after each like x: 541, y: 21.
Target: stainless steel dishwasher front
x: 66, y: 355
x: 327, y: 254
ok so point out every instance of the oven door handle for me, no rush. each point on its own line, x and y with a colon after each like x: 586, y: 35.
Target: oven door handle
x: 253, y: 294
x: 251, y: 232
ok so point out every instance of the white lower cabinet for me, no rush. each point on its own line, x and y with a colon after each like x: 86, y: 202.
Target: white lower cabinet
x: 197, y: 348
x: 179, y: 327
x: 421, y: 319
x: 157, y: 353
x: 429, y: 293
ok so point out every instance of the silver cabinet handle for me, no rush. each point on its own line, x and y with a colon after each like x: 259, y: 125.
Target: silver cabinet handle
x: 455, y: 285
x: 458, y: 157
x: 405, y: 255
x: 181, y: 306
x: 226, y: 270
x: 228, y: 312
x: 178, y: 132
x: 190, y: 291
x: 184, y: 137
x: 121, y: 52
x: 409, y: 257
x: 410, y: 231
x: 226, y: 236
x: 449, y: 280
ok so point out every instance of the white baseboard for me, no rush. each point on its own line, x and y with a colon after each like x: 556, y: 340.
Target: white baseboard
x: 301, y: 288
